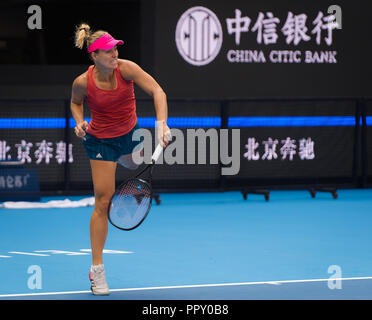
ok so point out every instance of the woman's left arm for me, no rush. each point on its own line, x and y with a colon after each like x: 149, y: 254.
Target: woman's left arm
x: 131, y: 71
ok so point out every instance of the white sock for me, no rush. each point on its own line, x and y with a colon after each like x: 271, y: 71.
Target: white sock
x: 97, y: 268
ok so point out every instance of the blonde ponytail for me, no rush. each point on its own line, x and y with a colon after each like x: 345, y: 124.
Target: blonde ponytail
x: 82, y: 35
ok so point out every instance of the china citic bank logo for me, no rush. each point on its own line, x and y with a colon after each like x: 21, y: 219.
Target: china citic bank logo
x: 199, y: 36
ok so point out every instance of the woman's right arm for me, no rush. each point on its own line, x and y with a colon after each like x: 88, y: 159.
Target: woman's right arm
x: 79, y: 89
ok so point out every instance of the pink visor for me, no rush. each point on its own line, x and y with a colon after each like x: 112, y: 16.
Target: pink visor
x: 105, y: 42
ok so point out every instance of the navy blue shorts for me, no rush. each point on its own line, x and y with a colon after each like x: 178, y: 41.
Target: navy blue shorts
x: 110, y: 149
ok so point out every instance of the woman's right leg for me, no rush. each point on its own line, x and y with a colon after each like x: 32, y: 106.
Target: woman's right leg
x: 103, y: 174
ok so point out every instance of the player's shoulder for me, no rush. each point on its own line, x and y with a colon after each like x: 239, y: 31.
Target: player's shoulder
x: 124, y: 63
x: 80, y: 85
x: 128, y: 68
x: 81, y: 81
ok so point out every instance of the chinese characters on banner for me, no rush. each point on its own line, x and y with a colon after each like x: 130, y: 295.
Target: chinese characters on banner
x: 14, y: 181
x: 286, y: 150
x: 42, y: 152
x: 295, y: 29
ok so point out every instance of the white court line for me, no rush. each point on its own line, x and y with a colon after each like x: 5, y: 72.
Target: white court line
x: 187, y: 286
x: 29, y: 254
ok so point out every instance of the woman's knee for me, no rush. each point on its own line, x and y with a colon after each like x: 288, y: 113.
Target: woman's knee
x: 103, y: 173
x: 102, y: 202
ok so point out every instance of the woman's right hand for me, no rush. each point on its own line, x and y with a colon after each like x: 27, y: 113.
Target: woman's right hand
x: 80, y: 129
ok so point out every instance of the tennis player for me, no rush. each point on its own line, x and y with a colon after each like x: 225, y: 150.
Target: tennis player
x: 107, y: 86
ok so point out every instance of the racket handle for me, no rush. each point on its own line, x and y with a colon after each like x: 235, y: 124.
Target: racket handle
x: 157, y: 153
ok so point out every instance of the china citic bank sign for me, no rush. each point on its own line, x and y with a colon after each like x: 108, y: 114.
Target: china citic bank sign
x: 199, y: 36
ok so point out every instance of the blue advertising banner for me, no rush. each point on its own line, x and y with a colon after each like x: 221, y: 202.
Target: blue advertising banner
x: 19, y: 184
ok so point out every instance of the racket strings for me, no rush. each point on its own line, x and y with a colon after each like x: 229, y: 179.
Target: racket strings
x: 130, y: 204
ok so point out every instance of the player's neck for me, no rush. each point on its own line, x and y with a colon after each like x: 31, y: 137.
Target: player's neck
x: 103, y: 74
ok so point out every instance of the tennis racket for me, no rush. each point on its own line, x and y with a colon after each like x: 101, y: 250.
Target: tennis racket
x: 131, y: 201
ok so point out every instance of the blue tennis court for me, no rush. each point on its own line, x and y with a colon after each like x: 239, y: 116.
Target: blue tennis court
x: 198, y: 246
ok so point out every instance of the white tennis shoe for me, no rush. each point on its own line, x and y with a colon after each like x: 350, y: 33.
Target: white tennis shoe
x: 97, y: 279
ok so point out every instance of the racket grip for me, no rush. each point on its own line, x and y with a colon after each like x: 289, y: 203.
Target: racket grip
x: 157, y: 153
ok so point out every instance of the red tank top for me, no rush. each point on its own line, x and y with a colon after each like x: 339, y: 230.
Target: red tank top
x: 113, y: 111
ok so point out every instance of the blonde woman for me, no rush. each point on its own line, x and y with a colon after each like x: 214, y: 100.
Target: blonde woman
x: 107, y: 86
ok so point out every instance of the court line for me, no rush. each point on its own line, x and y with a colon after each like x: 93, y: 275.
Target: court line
x: 187, y: 286
x: 29, y: 253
